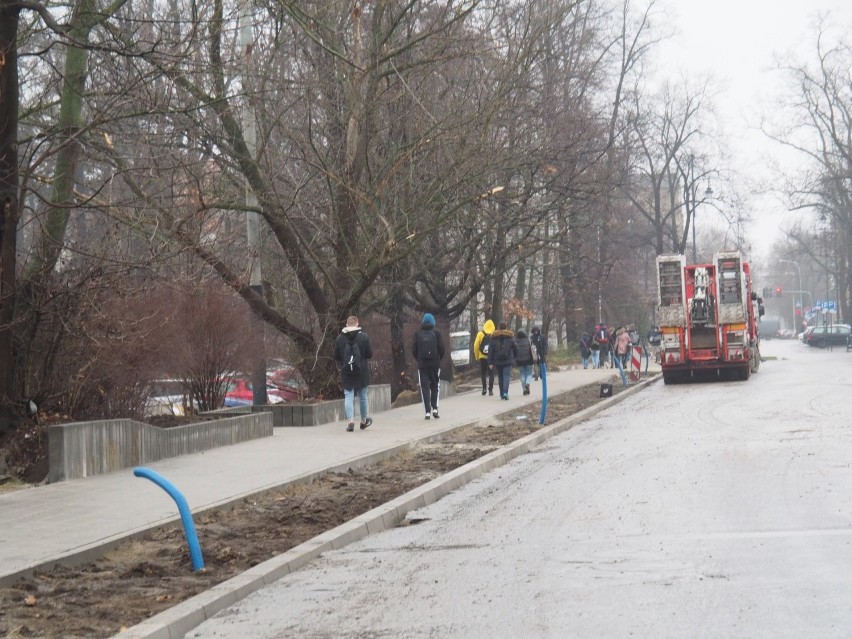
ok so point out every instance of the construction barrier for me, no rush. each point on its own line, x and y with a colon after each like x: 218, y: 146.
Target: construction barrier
x: 635, y: 363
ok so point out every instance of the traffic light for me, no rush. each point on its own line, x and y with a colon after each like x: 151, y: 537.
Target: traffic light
x: 777, y: 291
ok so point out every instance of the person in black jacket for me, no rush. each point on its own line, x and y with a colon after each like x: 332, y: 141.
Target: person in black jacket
x: 352, y: 350
x: 539, y: 342
x: 428, y: 350
x: 585, y: 346
x: 502, y: 354
x: 524, y: 360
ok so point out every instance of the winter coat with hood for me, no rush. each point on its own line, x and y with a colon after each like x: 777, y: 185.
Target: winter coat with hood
x: 487, y: 330
x: 428, y: 324
x: 349, y: 379
x: 498, y: 336
x: 525, y: 353
x: 622, y: 342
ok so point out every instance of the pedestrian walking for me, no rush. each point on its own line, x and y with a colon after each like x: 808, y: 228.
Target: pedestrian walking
x: 480, y: 351
x: 596, y: 352
x: 585, y: 349
x: 428, y: 351
x: 501, y: 355
x: 621, y: 348
x: 524, y: 360
x: 352, y: 352
x: 655, y: 338
x: 539, y: 344
x: 601, y: 338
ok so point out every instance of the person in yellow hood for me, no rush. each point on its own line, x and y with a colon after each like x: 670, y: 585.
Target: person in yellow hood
x: 480, y: 351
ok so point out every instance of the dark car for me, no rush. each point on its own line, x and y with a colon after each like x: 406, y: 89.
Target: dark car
x: 830, y: 335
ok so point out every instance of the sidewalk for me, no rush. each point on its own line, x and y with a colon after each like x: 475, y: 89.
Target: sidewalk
x: 76, y: 520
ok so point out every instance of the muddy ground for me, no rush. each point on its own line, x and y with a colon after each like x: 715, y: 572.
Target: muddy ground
x: 145, y: 576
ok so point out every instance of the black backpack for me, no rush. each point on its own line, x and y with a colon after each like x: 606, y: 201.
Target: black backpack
x: 353, y: 360
x: 427, y: 346
x: 484, y: 344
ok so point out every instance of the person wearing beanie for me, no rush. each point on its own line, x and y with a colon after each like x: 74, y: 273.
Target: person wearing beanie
x: 428, y: 351
x: 524, y: 360
x: 352, y: 349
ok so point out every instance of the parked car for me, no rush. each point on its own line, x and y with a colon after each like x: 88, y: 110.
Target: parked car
x: 165, y: 397
x: 827, y: 335
x: 460, y: 349
x: 240, y: 392
x: 288, y: 382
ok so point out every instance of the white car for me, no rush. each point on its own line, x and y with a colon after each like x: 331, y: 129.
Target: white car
x: 166, y: 397
x: 460, y: 348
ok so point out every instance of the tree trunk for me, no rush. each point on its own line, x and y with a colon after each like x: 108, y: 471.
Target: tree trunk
x: 8, y: 200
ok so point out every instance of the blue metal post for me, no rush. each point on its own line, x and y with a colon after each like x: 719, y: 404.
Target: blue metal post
x: 543, y: 393
x: 183, y: 508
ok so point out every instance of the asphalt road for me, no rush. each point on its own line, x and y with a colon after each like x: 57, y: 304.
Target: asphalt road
x: 704, y: 510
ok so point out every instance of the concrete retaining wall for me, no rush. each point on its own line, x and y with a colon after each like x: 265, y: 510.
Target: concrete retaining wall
x: 84, y: 449
x: 295, y: 414
x: 378, y: 400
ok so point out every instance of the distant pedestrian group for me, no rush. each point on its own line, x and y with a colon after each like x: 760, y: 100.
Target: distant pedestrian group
x: 499, y: 350
x: 496, y: 349
x: 612, y: 348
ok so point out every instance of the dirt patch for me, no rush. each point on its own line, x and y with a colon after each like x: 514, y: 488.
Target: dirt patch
x: 145, y: 576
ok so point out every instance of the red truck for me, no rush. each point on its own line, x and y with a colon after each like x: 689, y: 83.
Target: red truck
x: 708, y: 317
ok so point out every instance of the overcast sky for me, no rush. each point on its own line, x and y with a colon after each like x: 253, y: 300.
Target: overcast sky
x: 739, y: 42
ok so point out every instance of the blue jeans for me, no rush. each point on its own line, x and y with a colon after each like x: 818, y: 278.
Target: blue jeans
x: 596, y: 359
x: 504, y: 374
x: 525, y: 373
x: 620, y: 367
x: 349, y: 403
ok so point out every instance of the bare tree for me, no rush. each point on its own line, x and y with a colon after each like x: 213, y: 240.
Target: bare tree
x: 821, y: 103
x: 667, y: 171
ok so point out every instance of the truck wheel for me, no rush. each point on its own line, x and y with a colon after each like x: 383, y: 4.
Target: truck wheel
x: 754, y: 360
x: 669, y: 378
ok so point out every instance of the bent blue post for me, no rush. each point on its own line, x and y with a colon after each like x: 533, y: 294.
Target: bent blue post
x: 543, y: 393
x: 183, y: 508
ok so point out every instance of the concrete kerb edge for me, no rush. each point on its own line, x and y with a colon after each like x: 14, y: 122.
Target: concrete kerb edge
x: 173, y: 623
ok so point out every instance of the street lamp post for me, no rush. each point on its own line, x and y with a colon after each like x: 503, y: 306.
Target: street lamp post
x: 799, y: 277
x: 707, y: 195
